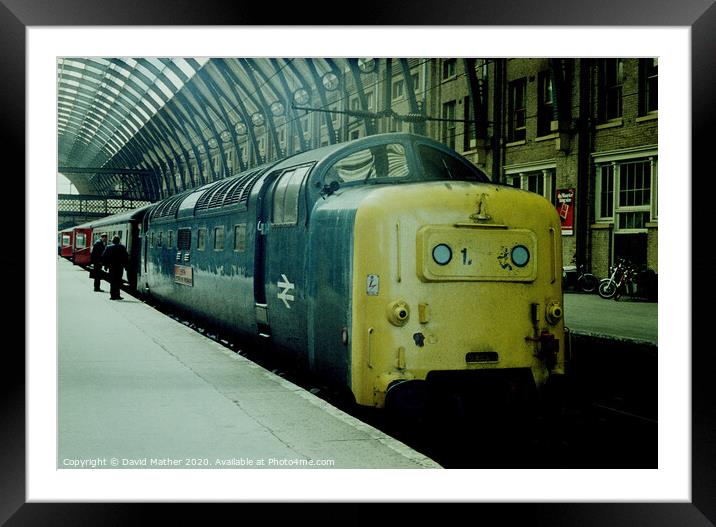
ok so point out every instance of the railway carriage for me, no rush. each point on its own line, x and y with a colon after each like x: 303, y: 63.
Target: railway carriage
x: 82, y: 244
x: 128, y: 226
x: 66, y: 243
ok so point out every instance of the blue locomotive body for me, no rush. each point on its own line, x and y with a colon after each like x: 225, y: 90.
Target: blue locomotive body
x: 338, y: 257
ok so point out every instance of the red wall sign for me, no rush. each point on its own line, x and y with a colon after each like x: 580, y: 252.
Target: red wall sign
x: 565, y: 208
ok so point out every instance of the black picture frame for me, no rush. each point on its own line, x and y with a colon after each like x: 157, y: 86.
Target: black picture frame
x: 699, y: 15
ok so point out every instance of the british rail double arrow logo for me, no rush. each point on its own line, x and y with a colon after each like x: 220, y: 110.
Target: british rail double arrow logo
x: 285, y: 287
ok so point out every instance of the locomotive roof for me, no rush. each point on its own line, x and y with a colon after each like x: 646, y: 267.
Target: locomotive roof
x: 234, y: 190
x: 324, y: 152
x: 120, y: 217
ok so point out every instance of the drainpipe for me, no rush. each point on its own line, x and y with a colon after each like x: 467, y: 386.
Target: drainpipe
x: 497, y: 118
x: 585, y: 131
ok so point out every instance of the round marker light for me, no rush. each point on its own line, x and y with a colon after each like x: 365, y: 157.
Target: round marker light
x: 442, y: 254
x: 520, y: 255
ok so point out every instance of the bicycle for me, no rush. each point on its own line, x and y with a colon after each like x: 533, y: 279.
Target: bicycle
x: 621, y: 280
x: 575, y: 276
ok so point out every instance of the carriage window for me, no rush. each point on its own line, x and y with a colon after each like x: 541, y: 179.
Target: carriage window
x: 219, y: 238
x: 285, y: 196
x: 438, y: 165
x: 184, y: 239
x: 382, y: 161
x: 240, y: 237
x: 201, y: 239
x: 81, y: 241
x: 65, y: 240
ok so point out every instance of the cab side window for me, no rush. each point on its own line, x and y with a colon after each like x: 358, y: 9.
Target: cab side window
x: 438, y: 165
x: 285, y: 196
x: 382, y: 161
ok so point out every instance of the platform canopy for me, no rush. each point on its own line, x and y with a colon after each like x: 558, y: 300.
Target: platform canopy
x: 150, y: 127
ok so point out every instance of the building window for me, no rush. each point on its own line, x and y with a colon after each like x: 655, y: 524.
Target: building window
x: 335, y: 116
x: 304, y: 126
x: 159, y: 238
x: 469, y: 137
x: 449, y: 68
x: 355, y: 134
x: 219, y: 238
x: 170, y: 239
x: 611, y: 79
x: 542, y: 182
x: 624, y: 193
x: 545, y: 110
x: 605, y: 206
x: 634, y: 202
x: 398, y: 89
x: 201, y: 239
x: 517, y: 130
x: 448, y: 128
x: 648, y: 86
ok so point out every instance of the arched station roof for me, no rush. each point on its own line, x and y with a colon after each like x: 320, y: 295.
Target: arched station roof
x: 152, y: 127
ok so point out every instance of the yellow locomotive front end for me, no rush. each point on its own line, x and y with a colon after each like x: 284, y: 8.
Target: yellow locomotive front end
x: 454, y: 280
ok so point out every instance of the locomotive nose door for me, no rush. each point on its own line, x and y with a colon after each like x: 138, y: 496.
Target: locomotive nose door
x: 280, y: 273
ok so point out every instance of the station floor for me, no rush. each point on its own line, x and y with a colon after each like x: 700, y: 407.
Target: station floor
x: 144, y: 391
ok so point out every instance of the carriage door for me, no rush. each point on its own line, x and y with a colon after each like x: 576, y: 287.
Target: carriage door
x: 281, y: 260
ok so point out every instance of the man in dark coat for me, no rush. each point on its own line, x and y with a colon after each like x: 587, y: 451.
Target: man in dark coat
x: 115, y: 258
x: 96, y: 259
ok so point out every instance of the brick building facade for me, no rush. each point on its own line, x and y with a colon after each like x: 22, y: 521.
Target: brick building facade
x: 581, y: 132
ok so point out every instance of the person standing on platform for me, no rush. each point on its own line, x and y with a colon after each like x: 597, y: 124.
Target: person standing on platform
x: 115, y: 258
x: 96, y: 260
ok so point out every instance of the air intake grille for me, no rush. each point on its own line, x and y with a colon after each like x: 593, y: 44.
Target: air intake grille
x: 239, y: 192
x: 169, y: 207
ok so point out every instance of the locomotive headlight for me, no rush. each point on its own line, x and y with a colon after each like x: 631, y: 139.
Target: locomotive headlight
x: 554, y: 312
x: 520, y: 255
x: 398, y: 313
x: 442, y: 254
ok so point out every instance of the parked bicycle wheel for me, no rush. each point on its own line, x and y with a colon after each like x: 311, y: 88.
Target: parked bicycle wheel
x: 607, y: 288
x: 588, y: 283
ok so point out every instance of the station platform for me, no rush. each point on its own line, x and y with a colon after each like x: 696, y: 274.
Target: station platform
x: 137, y: 389
x: 590, y: 315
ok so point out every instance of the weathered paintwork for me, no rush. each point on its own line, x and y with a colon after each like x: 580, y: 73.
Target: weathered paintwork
x: 480, y: 304
x: 341, y: 276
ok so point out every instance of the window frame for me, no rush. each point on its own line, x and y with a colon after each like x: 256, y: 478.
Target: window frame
x: 618, y: 160
x: 288, y: 174
x: 545, y: 103
x: 645, y: 93
x: 215, y: 238
x: 449, y: 69
x: 517, y: 133
x: 449, y: 140
x: 240, y: 248
x: 201, y: 235
x: 608, y: 90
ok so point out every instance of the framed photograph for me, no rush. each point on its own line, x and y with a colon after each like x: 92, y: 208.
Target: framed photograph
x: 34, y: 35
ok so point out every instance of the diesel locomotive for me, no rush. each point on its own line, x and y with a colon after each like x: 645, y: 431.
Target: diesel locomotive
x: 384, y: 265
